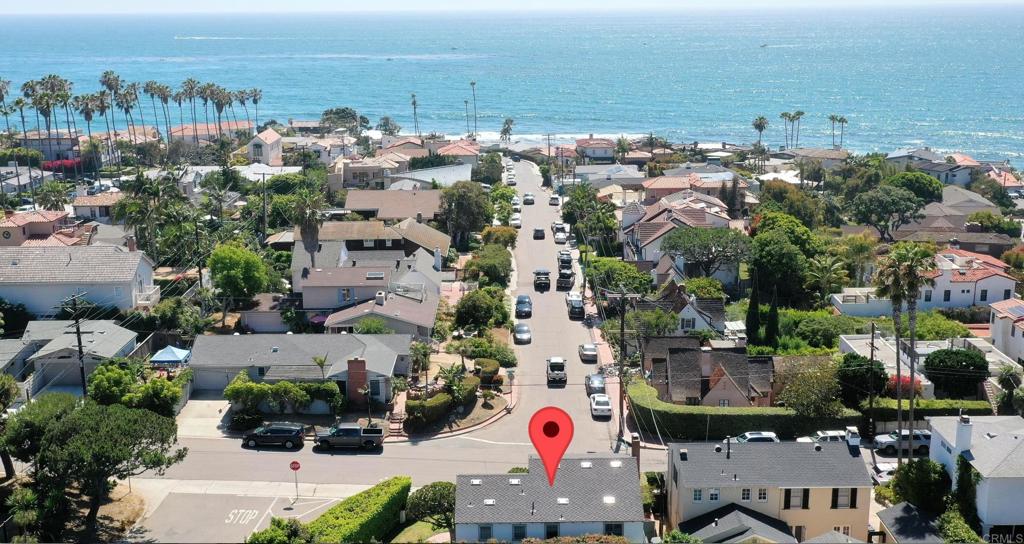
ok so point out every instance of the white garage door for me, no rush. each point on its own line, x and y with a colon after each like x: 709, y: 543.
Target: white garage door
x: 212, y: 379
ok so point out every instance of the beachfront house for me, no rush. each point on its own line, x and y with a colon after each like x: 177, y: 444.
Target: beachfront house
x: 914, y: 156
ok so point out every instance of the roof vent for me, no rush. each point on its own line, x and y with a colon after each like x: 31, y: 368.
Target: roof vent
x: 514, y: 481
x: 488, y: 502
x: 608, y: 499
x: 563, y: 500
x: 476, y: 481
x: 374, y: 275
x: 615, y: 464
x: 586, y: 464
x: 275, y: 349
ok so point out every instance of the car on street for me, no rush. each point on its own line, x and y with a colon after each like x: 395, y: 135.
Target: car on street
x: 560, y: 238
x: 541, y: 279
x: 556, y: 370
x: 289, y: 435
x: 515, y: 201
x: 528, y: 199
x: 559, y: 226
x: 538, y: 234
x: 564, y: 258
x: 554, y: 200
x: 882, y: 473
x: 524, y: 306
x: 600, y: 405
x: 566, y: 278
x: 588, y: 353
x: 515, y: 158
x: 517, y: 208
x: 510, y: 180
x: 574, y: 304
x: 515, y: 221
x: 822, y: 437
x: 890, y: 442
x: 522, y: 334
x: 754, y: 436
x: 350, y: 435
x: 594, y: 384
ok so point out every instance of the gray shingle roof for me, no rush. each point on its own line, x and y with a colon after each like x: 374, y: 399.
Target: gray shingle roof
x: 736, y: 523
x: 297, y: 350
x: 421, y: 313
x: 778, y: 464
x: 909, y: 525
x: 69, y: 264
x: 533, y: 500
x: 833, y: 537
x: 100, y: 338
x: 997, y: 443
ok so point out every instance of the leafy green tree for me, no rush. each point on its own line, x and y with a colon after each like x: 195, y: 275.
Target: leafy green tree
x: 647, y: 323
x: 705, y: 288
x: 802, y: 204
x: 923, y: 483
x: 96, y: 443
x: 24, y: 432
x: 813, y: 392
x: 158, y: 395
x: 707, y: 250
x: 826, y: 274
x: 372, y: 325
x: 481, y: 309
x: 502, y: 236
x: 1018, y: 400
x: 957, y: 372
x: 793, y: 230
x: 932, y: 325
x: 993, y: 191
x: 779, y: 264
x: 990, y: 222
x: 465, y: 209
x: 675, y: 535
x: 435, y: 504
x: 237, y: 271
x: 388, y: 126
x: 489, y: 170
x: 771, y: 326
x: 924, y: 187
x: 609, y: 272
x: 886, y: 208
x: 858, y: 377
x: 8, y: 394
x: 493, y: 263
x: 110, y: 382
x: 346, y: 118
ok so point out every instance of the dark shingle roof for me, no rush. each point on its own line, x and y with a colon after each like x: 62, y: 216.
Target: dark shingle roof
x: 833, y: 537
x: 792, y: 464
x: 69, y: 264
x: 736, y: 523
x: 533, y: 500
x: 909, y: 525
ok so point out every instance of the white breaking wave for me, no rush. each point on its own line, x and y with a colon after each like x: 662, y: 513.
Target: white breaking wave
x: 232, y: 38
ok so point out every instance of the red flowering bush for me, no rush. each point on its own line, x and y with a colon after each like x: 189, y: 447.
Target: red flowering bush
x: 62, y: 165
x: 890, y: 386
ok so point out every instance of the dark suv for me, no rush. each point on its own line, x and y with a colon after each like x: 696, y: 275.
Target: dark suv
x: 351, y: 435
x: 289, y: 435
x: 541, y: 279
x: 524, y: 306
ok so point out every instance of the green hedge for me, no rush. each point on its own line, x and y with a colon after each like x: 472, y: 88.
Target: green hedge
x: 697, y: 422
x: 368, y: 516
x: 471, y: 385
x: 885, y: 408
x: 488, y: 370
x: 422, y: 412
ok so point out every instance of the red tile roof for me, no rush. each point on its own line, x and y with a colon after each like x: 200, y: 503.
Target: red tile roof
x: 458, y: 150
x: 1004, y: 178
x: 36, y: 216
x: 269, y: 136
x: 986, y: 259
x: 594, y: 142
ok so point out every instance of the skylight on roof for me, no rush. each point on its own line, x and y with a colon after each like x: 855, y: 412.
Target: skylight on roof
x: 476, y: 481
x: 514, y: 481
x: 563, y: 500
x: 615, y: 464
x: 608, y: 499
x: 586, y: 464
x: 488, y: 502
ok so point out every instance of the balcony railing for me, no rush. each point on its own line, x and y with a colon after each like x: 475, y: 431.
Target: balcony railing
x: 148, y: 297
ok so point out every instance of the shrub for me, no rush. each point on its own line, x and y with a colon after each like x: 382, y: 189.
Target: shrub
x: 884, y: 495
x: 818, y: 332
x: 470, y: 387
x: 245, y: 420
x: 488, y: 370
x: 922, y: 482
x: 245, y: 394
x: 697, y: 422
x: 501, y: 236
x: 157, y: 395
x: 972, y: 314
x: 435, y: 504
x: 957, y: 372
x: 518, y: 470
x: 903, y: 384
x: 493, y: 263
x: 955, y: 529
x: 705, y: 288
x: 286, y: 395
x: 420, y: 413
x: 325, y: 391
x: 885, y: 408
x: 368, y: 516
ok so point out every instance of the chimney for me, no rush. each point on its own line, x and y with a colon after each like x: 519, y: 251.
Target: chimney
x: 419, y: 217
x: 356, y: 380
x: 437, y: 258
x: 964, y: 427
x: 8, y: 213
x: 132, y: 244
x: 380, y: 298
x: 591, y: 135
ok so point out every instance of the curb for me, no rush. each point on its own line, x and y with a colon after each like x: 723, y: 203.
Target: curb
x: 392, y: 439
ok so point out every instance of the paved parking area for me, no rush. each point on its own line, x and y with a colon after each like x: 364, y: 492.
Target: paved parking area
x: 200, y: 518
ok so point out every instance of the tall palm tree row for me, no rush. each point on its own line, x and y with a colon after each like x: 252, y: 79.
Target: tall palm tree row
x: 796, y: 134
x: 889, y: 284
x: 787, y: 119
x: 842, y: 128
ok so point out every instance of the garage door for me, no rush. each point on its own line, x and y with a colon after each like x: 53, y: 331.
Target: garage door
x: 212, y: 379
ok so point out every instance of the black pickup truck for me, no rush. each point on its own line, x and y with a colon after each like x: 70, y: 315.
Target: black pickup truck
x: 566, y: 278
x: 541, y: 279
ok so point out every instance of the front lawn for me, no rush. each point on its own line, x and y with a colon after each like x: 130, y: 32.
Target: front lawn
x: 418, y: 531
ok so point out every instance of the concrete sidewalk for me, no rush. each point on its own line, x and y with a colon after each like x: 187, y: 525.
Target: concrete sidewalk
x: 155, y: 490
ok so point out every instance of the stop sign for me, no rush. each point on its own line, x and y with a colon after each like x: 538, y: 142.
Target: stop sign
x: 294, y: 465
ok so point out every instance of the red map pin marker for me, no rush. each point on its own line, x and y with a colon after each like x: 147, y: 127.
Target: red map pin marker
x: 551, y: 432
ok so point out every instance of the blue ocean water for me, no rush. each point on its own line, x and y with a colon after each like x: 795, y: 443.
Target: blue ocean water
x: 950, y: 77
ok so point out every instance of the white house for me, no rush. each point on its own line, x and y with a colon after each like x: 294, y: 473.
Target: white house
x: 946, y: 172
x: 56, y: 357
x: 962, y: 279
x: 591, y: 495
x: 994, y: 445
x: 42, y: 278
x: 1006, y: 326
x: 599, y: 149
x: 266, y: 148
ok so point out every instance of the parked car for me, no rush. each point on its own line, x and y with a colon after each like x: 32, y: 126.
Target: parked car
x: 755, y: 436
x: 524, y: 306
x: 574, y: 304
x: 560, y: 238
x: 515, y: 158
x: 517, y: 208
x: 522, y: 334
x: 510, y: 180
x: 528, y: 199
x: 558, y: 226
x: 600, y: 405
x: 541, y: 279
x: 588, y: 353
x: 881, y: 473
x: 554, y: 200
x: 515, y: 201
x: 351, y: 435
x: 824, y: 436
x: 566, y: 278
x: 564, y: 258
x: 289, y: 435
x: 538, y: 234
x: 920, y: 442
x: 556, y: 370
x: 594, y: 384
x: 516, y: 221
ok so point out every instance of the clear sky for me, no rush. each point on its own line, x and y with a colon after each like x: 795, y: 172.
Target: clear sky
x: 250, y: 6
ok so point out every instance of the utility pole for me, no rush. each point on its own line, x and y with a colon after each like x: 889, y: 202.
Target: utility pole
x: 622, y: 295
x: 264, y: 225
x: 475, y: 129
x: 199, y: 251
x: 78, y: 335
x: 871, y: 384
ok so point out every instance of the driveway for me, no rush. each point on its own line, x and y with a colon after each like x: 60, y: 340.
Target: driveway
x: 205, y: 415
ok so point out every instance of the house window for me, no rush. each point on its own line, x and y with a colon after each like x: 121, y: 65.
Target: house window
x: 117, y: 291
x: 723, y: 403
x: 1006, y: 294
x: 550, y: 530
x: 261, y: 371
x: 344, y: 295
x: 846, y: 530
x: 485, y: 533
x: 983, y: 296
x: 745, y: 494
x: 927, y: 295
x: 687, y: 323
x: 613, y: 529
x: 698, y: 495
x: 842, y: 497
x: 518, y: 532
x: 945, y: 296
x: 762, y: 494
x: 257, y: 150
x: 713, y: 494
x: 368, y: 243
x: 795, y: 499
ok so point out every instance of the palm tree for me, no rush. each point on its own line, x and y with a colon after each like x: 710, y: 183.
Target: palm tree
x: 309, y: 203
x: 416, y: 119
x: 85, y: 105
x: 5, y: 87
x: 112, y: 83
x: 190, y: 90
x: 102, y: 105
x: 53, y: 195
x: 207, y: 92
x: 152, y: 89
x: 834, y: 119
x: 759, y: 125
x: 472, y: 84
x: 242, y: 97
x: 256, y: 96
x: 859, y: 250
x: 221, y: 99
x: 132, y: 90
x: 787, y: 118
x: 20, y: 104
x: 826, y: 274
x: 321, y: 361
x: 506, y: 130
x: 917, y: 263
x: 164, y: 93
x: 796, y: 134
x: 842, y: 126
x: 889, y: 284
